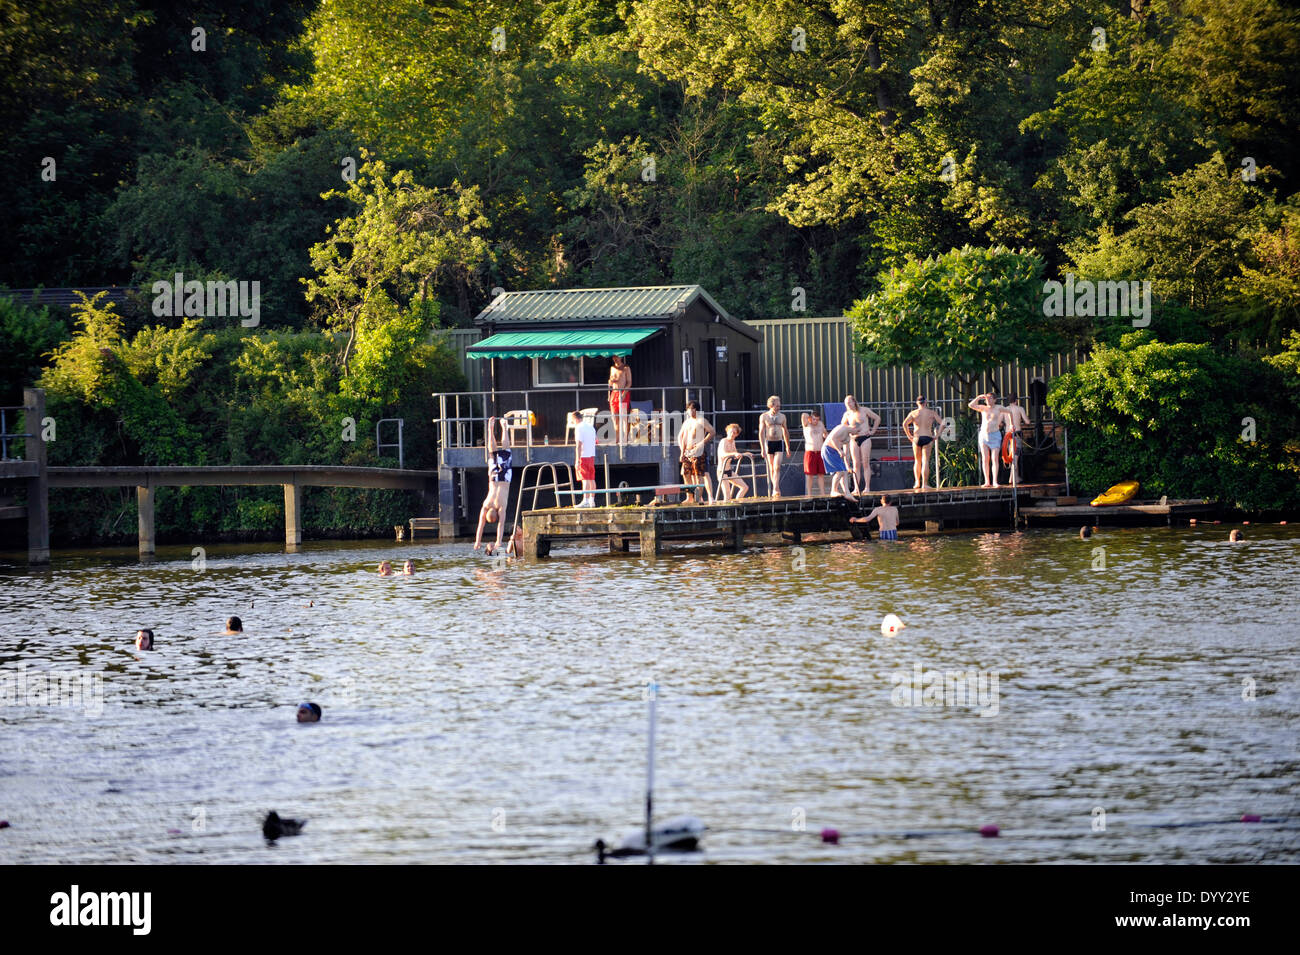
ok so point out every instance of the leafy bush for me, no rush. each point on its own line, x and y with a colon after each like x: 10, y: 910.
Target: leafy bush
x: 1176, y: 417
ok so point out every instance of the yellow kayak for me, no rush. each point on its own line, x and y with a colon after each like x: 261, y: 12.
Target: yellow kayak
x: 1118, y: 494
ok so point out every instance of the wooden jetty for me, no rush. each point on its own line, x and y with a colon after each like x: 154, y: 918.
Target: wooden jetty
x: 1130, y: 512
x: 728, y: 523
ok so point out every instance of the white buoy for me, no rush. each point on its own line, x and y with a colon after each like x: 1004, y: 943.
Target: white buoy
x: 891, y: 625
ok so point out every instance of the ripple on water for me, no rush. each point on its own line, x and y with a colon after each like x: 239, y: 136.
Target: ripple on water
x: 1159, y: 689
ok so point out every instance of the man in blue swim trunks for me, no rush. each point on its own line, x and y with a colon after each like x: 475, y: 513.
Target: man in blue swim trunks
x: 887, y: 516
x: 992, y: 416
x: 834, y: 452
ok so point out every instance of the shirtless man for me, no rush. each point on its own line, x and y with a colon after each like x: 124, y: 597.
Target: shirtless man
x: 814, y: 469
x: 493, y: 511
x: 919, y: 426
x: 864, y: 423
x: 992, y: 416
x: 729, y: 456
x: 887, y: 517
x: 694, y: 440
x: 773, y: 442
x: 1017, y: 419
x: 620, y: 396
x: 834, y: 451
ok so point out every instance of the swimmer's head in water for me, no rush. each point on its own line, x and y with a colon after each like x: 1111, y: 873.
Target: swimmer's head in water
x: 408, y: 568
x: 385, y: 567
x: 308, y: 713
x: 235, y: 625
x: 1236, y: 535
x: 144, y: 639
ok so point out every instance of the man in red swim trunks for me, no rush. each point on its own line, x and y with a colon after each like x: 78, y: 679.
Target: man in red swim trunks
x: 620, y: 396
x: 814, y: 469
x: 584, y: 456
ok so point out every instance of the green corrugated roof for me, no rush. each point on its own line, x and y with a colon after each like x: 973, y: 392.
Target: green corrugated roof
x: 594, y: 304
x: 560, y: 343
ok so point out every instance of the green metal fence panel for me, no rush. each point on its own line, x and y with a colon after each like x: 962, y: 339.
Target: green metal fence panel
x: 811, y: 360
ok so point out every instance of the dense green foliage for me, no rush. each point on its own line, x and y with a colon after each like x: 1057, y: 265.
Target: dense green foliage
x: 380, y: 166
x: 1185, y: 420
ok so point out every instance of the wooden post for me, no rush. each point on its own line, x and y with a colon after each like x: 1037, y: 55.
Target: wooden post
x: 292, y: 515
x: 447, y: 503
x: 144, y: 508
x: 933, y: 527
x: 649, y: 540
x: 38, y: 497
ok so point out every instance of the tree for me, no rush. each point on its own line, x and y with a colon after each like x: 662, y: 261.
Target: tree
x: 958, y: 315
x: 403, y: 239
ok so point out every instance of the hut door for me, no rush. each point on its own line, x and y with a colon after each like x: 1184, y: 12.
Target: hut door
x: 746, y: 391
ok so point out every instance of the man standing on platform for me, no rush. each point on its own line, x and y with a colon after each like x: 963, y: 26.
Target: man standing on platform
x: 620, y: 396
x: 814, y: 469
x: 919, y: 427
x: 694, y: 441
x: 835, y: 450
x: 989, y: 443
x: 584, y: 452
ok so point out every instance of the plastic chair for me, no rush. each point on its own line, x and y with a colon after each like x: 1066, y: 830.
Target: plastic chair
x: 587, y: 415
x: 520, y: 421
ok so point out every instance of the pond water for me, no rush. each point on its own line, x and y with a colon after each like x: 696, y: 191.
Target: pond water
x: 475, y: 713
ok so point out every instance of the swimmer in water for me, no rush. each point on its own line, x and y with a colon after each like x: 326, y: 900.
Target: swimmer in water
x: 308, y: 713
x: 385, y: 568
x: 233, y: 625
x: 408, y: 569
x: 144, y: 639
x: 515, y: 548
x: 886, y: 515
x: 1236, y: 535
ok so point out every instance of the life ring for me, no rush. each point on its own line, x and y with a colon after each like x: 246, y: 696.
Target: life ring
x: 1008, y: 443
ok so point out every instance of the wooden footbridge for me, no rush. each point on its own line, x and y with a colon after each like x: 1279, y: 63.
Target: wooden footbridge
x: 39, y: 477
x: 651, y: 527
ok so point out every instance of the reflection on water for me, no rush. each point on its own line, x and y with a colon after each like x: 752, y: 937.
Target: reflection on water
x: 475, y: 714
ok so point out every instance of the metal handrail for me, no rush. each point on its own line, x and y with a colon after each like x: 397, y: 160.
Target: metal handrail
x: 6, y: 436
x: 753, y: 475
x: 555, y: 486
x: 457, y: 428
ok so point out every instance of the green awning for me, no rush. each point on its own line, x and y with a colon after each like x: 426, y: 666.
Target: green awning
x: 568, y: 343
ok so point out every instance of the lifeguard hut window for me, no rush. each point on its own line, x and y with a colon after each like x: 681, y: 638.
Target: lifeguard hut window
x: 557, y: 372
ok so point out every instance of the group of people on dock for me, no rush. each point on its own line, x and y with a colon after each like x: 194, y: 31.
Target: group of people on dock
x: 836, y: 457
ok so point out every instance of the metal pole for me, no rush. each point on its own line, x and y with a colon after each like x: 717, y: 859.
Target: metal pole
x: 1015, y: 495
x: 653, y: 690
x: 528, y: 422
x: 1065, y: 433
